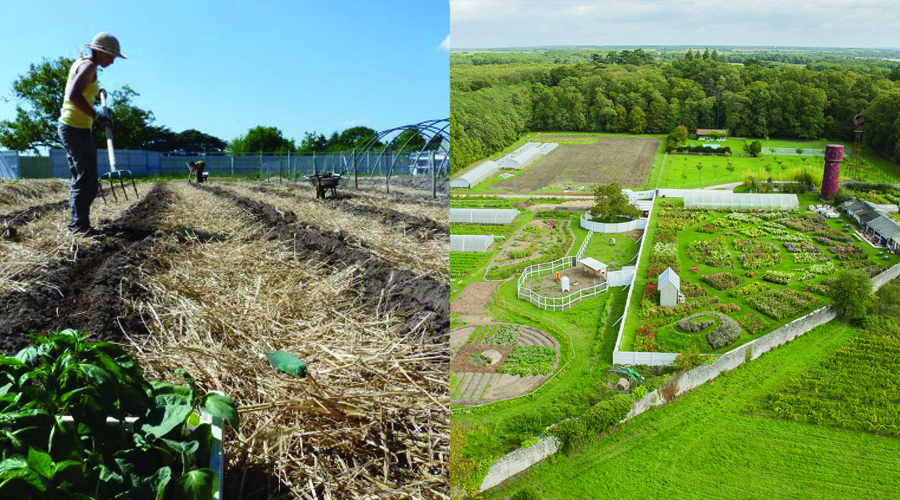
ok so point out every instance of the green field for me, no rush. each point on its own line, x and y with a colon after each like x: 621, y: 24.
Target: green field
x: 707, y: 445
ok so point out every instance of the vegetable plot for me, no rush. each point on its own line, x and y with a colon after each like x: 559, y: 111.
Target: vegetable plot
x: 163, y: 454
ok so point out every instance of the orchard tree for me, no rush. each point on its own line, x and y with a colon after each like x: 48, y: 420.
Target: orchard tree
x: 610, y: 204
x: 699, y: 169
x: 852, y: 293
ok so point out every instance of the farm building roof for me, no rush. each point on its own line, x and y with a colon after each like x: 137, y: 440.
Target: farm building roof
x: 853, y: 205
x: 727, y: 199
x: 483, y: 215
x: 885, y: 226
x: 867, y: 215
x: 470, y: 242
x: 669, y: 276
x: 476, y: 175
x: 891, y: 209
x: 593, y: 264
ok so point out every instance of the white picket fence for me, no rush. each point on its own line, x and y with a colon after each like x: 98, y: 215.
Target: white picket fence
x: 624, y: 227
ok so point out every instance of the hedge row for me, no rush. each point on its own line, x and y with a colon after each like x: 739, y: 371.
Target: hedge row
x: 600, y: 418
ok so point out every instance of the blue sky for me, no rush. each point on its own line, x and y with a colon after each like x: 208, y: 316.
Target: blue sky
x: 223, y: 67
x: 823, y: 23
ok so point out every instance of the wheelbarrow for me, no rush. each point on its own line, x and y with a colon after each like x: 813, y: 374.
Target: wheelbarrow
x: 196, y: 170
x: 114, y: 173
x: 325, y: 181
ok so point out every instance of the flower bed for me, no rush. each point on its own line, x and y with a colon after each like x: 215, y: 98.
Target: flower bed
x: 659, y: 263
x: 645, y: 339
x: 650, y: 310
x: 752, y: 232
x: 871, y: 268
x: 801, y: 224
x: 722, y: 281
x: 666, y: 236
x: 708, y: 229
x: 778, y: 277
x: 848, y: 252
x: 727, y: 332
x: 713, y: 253
x: 692, y: 289
x: 834, y: 234
x: 818, y: 289
x: 810, y: 257
x: 801, y: 246
x: 753, y: 323
x: 783, y: 303
x: 529, y: 360
x: 670, y: 249
x: 678, y: 219
x: 812, y: 271
x: 750, y: 289
x: 757, y: 254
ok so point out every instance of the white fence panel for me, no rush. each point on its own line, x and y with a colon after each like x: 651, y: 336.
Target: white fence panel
x: 9, y: 164
x: 620, y: 278
x: 624, y: 227
x: 643, y: 358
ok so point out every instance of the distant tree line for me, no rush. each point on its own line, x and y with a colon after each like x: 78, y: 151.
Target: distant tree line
x: 493, y: 105
x: 40, y: 95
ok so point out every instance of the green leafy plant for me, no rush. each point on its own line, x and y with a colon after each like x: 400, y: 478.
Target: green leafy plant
x: 56, y: 440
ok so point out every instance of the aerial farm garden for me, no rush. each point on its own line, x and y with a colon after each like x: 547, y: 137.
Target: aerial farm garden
x: 743, y: 273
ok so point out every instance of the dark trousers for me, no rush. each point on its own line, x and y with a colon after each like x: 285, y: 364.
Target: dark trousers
x: 82, y: 154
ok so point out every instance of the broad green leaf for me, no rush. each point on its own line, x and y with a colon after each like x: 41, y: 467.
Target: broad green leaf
x: 202, y: 435
x: 30, y: 355
x: 219, y: 405
x: 17, y: 468
x: 111, y: 476
x: 68, y: 471
x: 183, y: 447
x: 158, y: 482
x: 197, y: 484
x: 193, y: 420
x: 286, y: 362
x: 41, y: 463
x: 170, y: 411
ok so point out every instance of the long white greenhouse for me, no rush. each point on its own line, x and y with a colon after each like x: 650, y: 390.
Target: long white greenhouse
x: 470, y: 242
x: 726, y: 199
x: 475, y: 176
x: 483, y: 215
x: 522, y: 159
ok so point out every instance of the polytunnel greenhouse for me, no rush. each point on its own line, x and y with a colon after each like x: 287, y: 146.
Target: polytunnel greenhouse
x: 483, y: 215
x: 522, y: 159
x: 475, y: 176
x: 726, y: 199
x: 470, y: 243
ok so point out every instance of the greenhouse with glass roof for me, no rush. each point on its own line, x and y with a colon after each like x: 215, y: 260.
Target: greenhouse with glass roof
x: 742, y: 201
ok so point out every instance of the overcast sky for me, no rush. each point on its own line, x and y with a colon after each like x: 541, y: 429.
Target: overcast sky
x: 823, y: 23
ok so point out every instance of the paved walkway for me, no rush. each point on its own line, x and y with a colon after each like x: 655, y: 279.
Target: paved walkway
x: 730, y: 186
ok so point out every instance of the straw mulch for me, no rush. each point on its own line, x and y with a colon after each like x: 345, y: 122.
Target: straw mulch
x: 371, y: 421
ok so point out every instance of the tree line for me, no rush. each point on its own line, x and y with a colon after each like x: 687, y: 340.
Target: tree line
x: 491, y: 106
x: 40, y: 94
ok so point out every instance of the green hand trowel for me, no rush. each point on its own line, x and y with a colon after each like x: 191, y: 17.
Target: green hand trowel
x: 288, y: 363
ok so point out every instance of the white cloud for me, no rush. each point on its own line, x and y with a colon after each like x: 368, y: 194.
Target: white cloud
x: 445, y: 45
x: 355, y: 123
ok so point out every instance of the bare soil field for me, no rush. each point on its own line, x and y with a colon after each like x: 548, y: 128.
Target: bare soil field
x: 474, y: 299
x: 208, y: 278
x: 546, y: 284
x: 625, y: 160
x: 565, y: 138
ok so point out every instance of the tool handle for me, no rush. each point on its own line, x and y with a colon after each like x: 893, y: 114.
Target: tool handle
x: 109, y: 134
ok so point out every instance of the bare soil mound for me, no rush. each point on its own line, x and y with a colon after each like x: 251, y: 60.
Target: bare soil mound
x: 474, y: 299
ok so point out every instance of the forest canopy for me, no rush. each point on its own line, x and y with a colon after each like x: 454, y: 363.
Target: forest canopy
x: 495, y: 97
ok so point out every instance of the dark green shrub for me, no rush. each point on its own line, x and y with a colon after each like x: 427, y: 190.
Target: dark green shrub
x: 689, y: 359
x: 605, y: 414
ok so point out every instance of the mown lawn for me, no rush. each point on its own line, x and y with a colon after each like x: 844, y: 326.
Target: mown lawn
x: 706, y: 445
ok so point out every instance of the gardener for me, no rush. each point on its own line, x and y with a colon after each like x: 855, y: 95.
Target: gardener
x: 75, y: 121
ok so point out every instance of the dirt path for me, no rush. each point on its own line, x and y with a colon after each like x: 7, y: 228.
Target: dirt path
x: 422, y: 300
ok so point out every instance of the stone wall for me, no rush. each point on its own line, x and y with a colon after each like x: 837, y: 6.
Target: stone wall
x: 519, y: 460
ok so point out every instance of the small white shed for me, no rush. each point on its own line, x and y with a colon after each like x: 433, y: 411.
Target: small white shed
x: 564, y: 282
x: 669, y: 288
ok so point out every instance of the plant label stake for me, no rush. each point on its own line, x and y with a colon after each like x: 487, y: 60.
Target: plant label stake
x: 113, y: 173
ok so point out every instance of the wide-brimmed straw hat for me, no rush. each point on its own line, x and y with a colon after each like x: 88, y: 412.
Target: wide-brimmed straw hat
x: 105, y: 42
